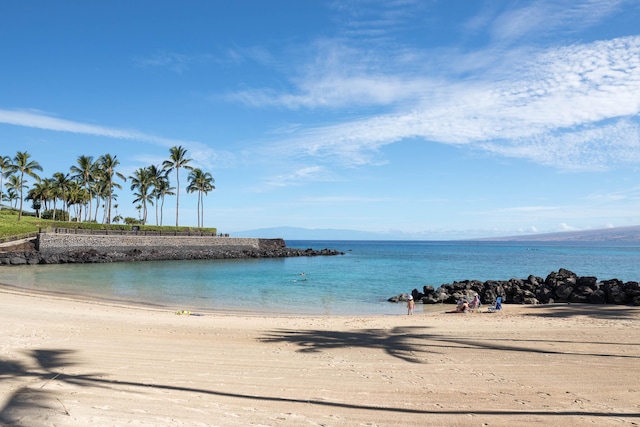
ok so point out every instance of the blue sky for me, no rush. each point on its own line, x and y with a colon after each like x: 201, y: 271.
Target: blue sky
x: 416, y: 119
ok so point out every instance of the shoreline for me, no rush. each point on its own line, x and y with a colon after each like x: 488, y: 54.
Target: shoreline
x: 93, y: 299
x: 131, y: 305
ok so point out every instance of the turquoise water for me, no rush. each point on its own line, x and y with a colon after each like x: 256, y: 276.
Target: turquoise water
x: 358, y: 282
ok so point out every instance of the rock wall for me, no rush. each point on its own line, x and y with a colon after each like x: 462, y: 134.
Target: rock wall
x: 54, y: 243
x: 58, y: 248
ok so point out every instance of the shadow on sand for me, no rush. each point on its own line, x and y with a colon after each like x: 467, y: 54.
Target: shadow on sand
x: 410, y: 343
x: 35, y: 401
x: 596, y: 311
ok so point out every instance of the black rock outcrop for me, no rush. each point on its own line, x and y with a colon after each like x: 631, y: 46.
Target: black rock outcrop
x: 561, y: 286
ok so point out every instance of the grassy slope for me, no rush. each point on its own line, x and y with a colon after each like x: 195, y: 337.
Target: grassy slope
x: 10, y: 226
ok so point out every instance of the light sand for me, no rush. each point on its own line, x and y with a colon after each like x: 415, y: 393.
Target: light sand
x: 65, y: 362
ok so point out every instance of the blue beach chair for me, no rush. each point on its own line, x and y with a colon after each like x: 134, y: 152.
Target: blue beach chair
x: 497, y: 306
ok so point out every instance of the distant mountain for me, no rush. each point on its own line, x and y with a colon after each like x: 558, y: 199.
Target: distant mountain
x: 617, y: 234
x: 296, y: 233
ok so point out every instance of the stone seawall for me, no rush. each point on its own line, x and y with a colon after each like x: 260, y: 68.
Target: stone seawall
x: 54, y: 243
x: 57, y: 248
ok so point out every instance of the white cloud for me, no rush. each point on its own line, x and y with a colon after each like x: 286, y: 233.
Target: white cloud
x: 530, y: 209
x: 340, y: 75
x: 36, y: 119
x: 177, y: 62
x: 346, y: 199
x: 375, y: 20
x: 548, y: 17
x: 566, y: 227
x: 632, y: 193
x: 570, y: 107
x: 581, y: 149
x: 310, y: 173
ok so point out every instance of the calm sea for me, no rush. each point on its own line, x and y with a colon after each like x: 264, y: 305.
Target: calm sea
x: 356, y: 283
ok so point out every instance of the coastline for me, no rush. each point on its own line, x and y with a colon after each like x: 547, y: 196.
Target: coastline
x: 73, y: 362
x: 250, y: 311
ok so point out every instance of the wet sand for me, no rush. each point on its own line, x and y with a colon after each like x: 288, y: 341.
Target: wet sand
x: 69, y: 362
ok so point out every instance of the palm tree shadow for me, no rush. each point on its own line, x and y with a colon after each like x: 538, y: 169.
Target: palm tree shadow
x: 36, y: 402
x: 47, y: 364
x: 399, y: 342
x: 609, y: 312
x: 49, y: 360
x: 407, y: 345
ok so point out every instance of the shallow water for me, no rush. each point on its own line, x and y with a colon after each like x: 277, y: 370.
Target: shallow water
x: 356, y: 283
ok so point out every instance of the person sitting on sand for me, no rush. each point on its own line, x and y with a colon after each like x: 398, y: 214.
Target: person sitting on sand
x: 462, y: 307
x: 475, y: 304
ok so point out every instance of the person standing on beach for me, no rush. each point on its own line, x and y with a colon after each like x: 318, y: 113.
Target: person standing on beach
x: 411, y: 304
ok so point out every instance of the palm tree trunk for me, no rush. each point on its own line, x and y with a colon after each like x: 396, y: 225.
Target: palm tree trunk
x: 177, y: 193
x: 21, y: 191
x: 201, y: 210
x: 97, y: 207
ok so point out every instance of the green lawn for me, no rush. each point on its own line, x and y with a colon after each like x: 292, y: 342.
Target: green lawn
x: 10, y: 226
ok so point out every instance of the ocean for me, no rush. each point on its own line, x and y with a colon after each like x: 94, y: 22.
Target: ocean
x: 356, y: 283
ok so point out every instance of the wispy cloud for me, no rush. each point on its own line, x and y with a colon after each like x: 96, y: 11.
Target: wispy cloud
x: 339, y: 76
x: 546, y: 110
x: 528, y: 209
x: 375, y: 20
x: 309, y: 173
x: 549, y: 17
x: 39, y: 120
x: 632, y: 193
x: 347, y: 199
x: 173, y: 61
x: 569, y: 106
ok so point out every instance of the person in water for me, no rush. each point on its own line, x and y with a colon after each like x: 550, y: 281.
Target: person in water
x: 411, y: 304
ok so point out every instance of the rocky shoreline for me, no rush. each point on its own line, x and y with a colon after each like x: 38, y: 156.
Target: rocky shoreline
x: 27, y: 254
x: 563, y: 286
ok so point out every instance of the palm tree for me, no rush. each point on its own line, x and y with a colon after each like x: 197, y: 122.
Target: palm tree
x: 47, y: 191
x: 22, y: 164
x: 11, y: 196
x: 85, y: 172
x: 107, y: 165
x: 38, y: 194
x: 5, y: 161
x: 202, y: 182
x: 142, y: 180
x: 157, y: 176
x: 99, y: 190
x: 177, y: 159
x: 13, y: 189
x: 77, y: 197
x: 62, y: 185
x: 163, y: 188
x: 55, y: 193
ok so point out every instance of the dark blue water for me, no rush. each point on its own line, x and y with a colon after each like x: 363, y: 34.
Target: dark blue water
x: 358, y: 282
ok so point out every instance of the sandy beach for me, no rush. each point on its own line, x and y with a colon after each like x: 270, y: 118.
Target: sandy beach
x: 68, y: 362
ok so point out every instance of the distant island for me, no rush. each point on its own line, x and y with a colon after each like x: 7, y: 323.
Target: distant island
x: 613, y: 234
